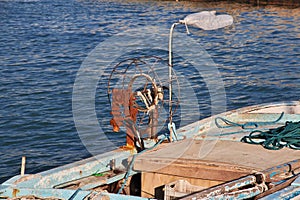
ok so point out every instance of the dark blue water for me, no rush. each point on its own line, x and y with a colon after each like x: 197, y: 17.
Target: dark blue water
x: 43, y: 44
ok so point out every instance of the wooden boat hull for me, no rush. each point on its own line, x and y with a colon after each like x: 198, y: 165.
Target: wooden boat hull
x: 206, y: 157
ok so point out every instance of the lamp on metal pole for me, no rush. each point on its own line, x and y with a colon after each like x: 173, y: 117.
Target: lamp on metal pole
x: 206, y: 20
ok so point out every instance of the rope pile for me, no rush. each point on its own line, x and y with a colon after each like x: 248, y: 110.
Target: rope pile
x: 278, y: 138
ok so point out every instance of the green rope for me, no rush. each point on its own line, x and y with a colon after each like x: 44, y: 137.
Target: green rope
x: 275, y: 139
x: 98, y: 174
x: 247, y: 125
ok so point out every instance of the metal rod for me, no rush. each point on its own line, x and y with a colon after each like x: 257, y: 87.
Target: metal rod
x: 170, y: 78
x: 23, y: 165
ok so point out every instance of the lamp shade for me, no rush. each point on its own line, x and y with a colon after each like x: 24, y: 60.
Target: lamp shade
x: 207, y: 20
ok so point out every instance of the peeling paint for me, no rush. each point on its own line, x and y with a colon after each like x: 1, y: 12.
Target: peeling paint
x: 15, y: 192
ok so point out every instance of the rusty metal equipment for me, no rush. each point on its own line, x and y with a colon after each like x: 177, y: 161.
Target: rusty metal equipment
x: 139, y: 97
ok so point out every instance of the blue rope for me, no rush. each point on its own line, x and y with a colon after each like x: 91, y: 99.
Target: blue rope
x: 247, y: 125
x: 132, y: 162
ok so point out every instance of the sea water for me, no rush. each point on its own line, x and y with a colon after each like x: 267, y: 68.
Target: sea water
x: 45, y: 43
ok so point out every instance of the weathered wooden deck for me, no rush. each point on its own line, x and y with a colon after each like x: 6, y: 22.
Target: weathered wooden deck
x: 212, y: 154
x: 227, y: 161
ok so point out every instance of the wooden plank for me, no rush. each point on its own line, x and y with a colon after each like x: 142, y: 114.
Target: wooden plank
x: 197, y: 169
x: 226, y: 160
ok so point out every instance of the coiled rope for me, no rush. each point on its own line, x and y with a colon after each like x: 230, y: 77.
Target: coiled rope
x: 275, y: 139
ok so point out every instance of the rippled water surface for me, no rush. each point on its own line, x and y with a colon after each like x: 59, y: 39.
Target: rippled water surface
x: 43, y: 44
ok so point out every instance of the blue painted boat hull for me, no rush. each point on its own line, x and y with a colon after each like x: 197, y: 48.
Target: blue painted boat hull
x: 82, y: 180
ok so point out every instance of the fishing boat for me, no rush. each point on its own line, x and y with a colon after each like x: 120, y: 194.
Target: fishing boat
x: 248, y: 153
x: 230, y: 170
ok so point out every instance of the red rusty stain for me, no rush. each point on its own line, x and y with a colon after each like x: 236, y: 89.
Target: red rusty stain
x: 15, y: 192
